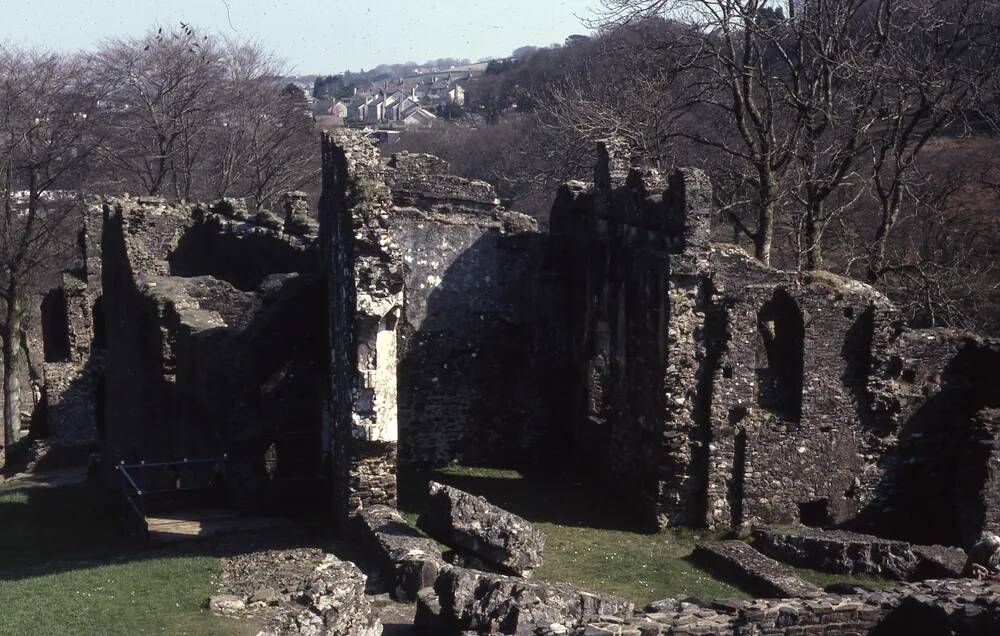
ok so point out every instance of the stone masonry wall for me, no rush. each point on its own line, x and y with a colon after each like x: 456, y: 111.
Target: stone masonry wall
x: 364, y: 273
x: 713, y: 390
x: 636, y: 303
x: 72, y: 333
x: 466, y: 334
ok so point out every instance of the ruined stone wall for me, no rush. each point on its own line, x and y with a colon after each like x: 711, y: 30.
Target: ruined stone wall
x: 364, y: 273
x: 466, y: 342
x: 935, y: 392
x: 227, y: 243
x: 432, y: 327
x: 465, y: 335
x: 71, y: 337
x: 789, y: 398
x: 141, y: 411
x: 199, y: 366
x: 633, y: 253
x: 713, y: 390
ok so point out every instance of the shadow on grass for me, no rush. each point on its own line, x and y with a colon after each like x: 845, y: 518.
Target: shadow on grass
x: 538, y: 497
x: 51, y: 530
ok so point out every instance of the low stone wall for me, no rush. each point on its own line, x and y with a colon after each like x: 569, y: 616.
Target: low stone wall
x: 950, y: 606
x: 740, y: 563
x: 845, y: 552
x: 410, y: 561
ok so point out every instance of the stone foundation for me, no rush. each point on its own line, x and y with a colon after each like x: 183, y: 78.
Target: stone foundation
x: 854, y: 553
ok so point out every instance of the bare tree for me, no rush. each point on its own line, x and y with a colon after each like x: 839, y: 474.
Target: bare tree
x: 938, y: 267
x: 617, y: 86
x: 940, y: 69
x: 800, y: 96
x: 263, y: 137
x: 165, y: 95
x: 725, y: 50
x: 47, y: 138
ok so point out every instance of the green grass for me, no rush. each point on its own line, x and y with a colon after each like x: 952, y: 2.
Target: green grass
x: 823, y: 579
x: 43, y: 524
x: 151, y: 596
x: 66, y: 569
x: 640, y: 567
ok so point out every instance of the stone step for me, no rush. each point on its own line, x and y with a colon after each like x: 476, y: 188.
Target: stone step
x: 194, y: 524
x: 741, y: 564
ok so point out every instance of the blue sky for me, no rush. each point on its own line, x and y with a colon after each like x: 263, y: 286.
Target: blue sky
x: 314, y: 36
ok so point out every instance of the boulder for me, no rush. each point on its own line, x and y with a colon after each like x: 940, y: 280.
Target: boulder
x: 472, y: 524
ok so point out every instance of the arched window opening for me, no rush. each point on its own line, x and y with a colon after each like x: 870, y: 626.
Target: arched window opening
x: 55, y: 326
x: 780, y: 357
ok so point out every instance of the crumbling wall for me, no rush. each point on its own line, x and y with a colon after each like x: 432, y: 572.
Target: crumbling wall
x: 72, y: 342
x: 199, y: 366
x: 704, y: 387
x: 226, y: 242
x: 432, y: 333
x: 633, y: 252
x: 364, y: 273
x: 713, y: 390
x: 790, y: 400
x: 936, y: 390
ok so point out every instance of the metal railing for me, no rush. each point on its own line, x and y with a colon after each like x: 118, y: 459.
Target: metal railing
x: 147, y: 487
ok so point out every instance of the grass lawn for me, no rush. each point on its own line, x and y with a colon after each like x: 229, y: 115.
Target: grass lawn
x: 589, y: 543
x: 66, y: 569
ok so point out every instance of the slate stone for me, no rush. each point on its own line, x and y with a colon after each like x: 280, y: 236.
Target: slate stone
x: 470, y: 523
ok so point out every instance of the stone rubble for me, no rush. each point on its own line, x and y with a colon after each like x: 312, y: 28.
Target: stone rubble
x: 297, y: 591
x: 484, y: 602
x: 963, y: 606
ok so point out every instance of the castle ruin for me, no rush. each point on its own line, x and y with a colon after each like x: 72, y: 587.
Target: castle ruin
x: 421, y: 323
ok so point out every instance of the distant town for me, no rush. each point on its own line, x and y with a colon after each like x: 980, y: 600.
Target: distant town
x: 412, y: 100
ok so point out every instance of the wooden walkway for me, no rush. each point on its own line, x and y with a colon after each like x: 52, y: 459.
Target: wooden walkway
x: 194, y: 524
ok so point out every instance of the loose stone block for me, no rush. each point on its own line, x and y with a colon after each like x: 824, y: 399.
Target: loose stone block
x: 846, y: 552
x: 471, y: 523
x: 742, y: 564
x: 411, y: 560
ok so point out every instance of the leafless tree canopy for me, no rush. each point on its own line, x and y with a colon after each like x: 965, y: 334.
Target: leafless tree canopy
x: 192, y: 117
x: 833, y: 131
